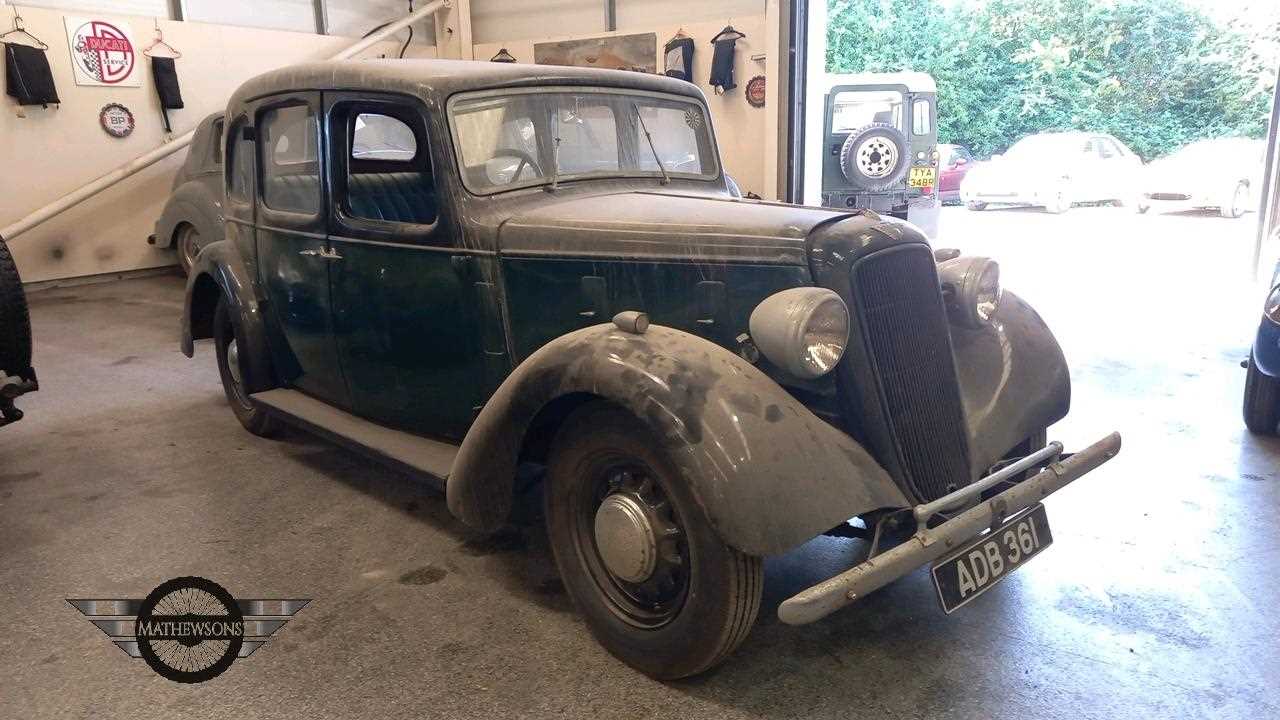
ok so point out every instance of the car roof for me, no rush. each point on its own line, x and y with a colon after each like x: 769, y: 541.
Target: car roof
x: 915, y: 81
x: 437, y: 79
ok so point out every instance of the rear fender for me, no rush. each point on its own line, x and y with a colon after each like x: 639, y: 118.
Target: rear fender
x: 769, y: 474
x: 217, y: 273
x: 1013, y: 380
x: 193, y: 204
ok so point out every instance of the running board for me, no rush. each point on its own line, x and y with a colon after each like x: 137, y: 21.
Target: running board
x: 406, y: 451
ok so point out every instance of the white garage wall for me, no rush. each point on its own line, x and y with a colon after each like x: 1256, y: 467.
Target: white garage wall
x: 53, y: 151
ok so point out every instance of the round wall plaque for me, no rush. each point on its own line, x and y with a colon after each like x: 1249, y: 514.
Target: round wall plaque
x: 116, y: 119
x: 755, y: 91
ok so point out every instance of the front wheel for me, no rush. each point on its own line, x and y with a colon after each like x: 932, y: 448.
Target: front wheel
x: 1239, y: 202
x: 188, y: 246
x: 1261, y: 401
x: 655, y: 584
x: 228, y: 340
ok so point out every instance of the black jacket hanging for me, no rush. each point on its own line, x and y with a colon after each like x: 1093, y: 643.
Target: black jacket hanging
x: 27, y: 75
x: 678, y: 57
x: 725, y: 43
x: 166, y: 78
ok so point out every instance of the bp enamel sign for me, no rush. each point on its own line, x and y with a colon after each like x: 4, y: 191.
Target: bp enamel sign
x: 103, y: 52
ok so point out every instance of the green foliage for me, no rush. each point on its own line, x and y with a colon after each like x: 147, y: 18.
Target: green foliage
x: 1155, y: 73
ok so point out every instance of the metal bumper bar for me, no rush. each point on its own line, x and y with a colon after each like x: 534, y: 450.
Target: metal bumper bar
x: 929, y: 544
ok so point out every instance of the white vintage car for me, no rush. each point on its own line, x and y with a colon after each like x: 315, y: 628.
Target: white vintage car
x: 1219, y: 174
x: 1055, y: 171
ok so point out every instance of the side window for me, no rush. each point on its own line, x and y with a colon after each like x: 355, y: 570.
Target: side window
x: 240, y: 180
x: 389, y: 169
x: 920, y: 121
x: 1106, y: 149
x: 215, y: 142
x: 290, y: 147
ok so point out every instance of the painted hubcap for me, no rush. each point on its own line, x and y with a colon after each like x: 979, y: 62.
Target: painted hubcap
x: 625, y: 539
x: 877, y: 157
x: 233, y: 361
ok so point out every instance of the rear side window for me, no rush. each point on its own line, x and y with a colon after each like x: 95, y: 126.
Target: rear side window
x: 290, y: 147
x: 240, y: 182
x: 388, y: 176
x: 215, y: 142
x: 920, y: 121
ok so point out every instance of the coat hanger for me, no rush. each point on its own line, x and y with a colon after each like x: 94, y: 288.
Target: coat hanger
x: 680, y: 34
x: 18, y: 27
x: 503, y: 56
x: 158, y: 42
x: 728, y: 30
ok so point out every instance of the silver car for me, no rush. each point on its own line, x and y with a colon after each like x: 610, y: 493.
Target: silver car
x: 1055, y: 171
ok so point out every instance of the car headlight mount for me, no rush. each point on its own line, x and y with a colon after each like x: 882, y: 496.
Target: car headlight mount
x: 802, y: 330
x: 971, y: 288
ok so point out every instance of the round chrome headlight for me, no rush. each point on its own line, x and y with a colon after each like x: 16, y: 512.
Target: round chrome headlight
x: 971, y: 286
x: 802, y: 330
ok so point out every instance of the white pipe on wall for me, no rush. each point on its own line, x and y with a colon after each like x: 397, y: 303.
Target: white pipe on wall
x: 133, y: 166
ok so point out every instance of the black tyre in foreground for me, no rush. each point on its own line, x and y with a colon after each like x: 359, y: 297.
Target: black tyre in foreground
x: 15, y: 321
x: 228, y: 339
x: 656, y: 585
x: 1261, y: 401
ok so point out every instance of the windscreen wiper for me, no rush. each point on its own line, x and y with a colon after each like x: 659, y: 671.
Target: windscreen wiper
x: 666, y: 179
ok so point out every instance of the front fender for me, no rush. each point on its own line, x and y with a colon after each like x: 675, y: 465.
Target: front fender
x: 769, y: 474
x: 219, y: 271
x: 1013, y: 380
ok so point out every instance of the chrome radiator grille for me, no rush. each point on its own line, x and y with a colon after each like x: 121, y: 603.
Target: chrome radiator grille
x: 899, y: 307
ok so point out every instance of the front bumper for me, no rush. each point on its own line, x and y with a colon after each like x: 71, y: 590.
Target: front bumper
x: 929, y: 544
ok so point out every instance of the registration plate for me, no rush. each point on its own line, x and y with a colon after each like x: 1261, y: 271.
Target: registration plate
x: 977, y: 567
x: 922, y: 177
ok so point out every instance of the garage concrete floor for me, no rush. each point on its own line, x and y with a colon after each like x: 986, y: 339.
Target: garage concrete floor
x: 1157, y: 599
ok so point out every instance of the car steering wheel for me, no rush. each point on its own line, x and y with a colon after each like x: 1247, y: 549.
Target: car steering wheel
x: 525, y: 160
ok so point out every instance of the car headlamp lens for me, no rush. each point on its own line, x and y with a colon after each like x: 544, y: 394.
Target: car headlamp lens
x: 971, y: 286
x: 802, y: 330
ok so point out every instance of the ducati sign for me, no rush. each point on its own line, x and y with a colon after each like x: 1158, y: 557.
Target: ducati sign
x: 102, y: 53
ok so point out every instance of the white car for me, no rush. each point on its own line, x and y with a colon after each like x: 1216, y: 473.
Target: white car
x: 1219, y: 173
x: 1055, y: 171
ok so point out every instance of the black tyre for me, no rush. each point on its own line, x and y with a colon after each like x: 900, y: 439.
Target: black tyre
x: 228, y: 338
x: 656, y: 585
x: 875, y: 157
x: 1261, y: 401
x: 15, y: 320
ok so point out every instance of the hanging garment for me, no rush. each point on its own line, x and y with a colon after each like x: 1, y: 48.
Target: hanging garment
x: 725, y: 43
x: 28, y: 77
x: 678, y: 54
x: 166, y: 77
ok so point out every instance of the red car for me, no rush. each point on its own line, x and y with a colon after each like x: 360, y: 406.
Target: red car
x: 953, y: 163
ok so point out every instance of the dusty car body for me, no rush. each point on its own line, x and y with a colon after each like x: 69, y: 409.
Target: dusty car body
x: 465, y: 268
x: 1262, y: 378
x: 881, y: 145
x: 193, y: 214
x: 1055, y: 171
x: 1218, y: 174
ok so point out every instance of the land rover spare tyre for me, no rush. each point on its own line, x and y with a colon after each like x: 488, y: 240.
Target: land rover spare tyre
x: 15, y: 323
x: 875, y: 157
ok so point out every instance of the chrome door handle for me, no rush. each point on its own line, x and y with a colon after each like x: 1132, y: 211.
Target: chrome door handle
x: 311, y: 253
x: 330, y: 255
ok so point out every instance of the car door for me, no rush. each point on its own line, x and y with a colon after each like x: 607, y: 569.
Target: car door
x: 406, y: 307
x: 293, y: 251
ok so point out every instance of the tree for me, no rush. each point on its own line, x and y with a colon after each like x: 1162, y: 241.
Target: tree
x: 1154, y: 73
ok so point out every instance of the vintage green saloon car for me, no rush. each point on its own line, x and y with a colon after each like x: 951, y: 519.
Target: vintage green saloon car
x: 461, y: 268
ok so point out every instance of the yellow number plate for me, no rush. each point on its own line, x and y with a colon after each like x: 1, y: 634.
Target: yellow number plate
x: 922, y: 177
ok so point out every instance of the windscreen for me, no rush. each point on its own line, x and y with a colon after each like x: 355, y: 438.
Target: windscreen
x: 522, y: 139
